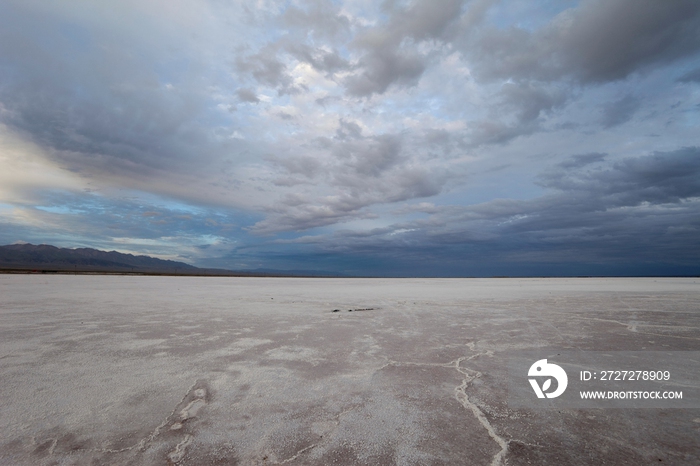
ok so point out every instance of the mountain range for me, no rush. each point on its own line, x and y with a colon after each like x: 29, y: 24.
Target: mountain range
x: 45, y: 258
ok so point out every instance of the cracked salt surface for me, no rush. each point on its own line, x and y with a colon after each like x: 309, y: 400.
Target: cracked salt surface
x: 198, y: 371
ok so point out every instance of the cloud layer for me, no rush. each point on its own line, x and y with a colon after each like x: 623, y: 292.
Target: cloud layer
x: 356, y: 136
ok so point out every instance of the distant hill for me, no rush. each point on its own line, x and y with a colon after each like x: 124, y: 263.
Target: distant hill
x: 48, y: 259
x: 44, y: 257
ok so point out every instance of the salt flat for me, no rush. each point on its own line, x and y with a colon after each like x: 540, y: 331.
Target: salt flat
x: 255, y: 371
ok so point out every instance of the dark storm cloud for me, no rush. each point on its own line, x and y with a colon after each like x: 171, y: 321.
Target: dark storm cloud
x: 608, y: 40
x: 600, y: 40
x: 595, y: 42
x: 644, y: 206
x: 638, y: 209
x: 663, y: 177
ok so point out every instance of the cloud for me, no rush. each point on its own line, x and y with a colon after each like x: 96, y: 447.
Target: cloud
x: 301, y: 165
x: 630, y: 210
x: 399, y: 129
x: 247, y: 95
x: 360, y: 171
x: 26, y: 168
x: 311, y: 32
x: 381, y: 68
x: 581, y: 160
x: 123, y: 108
x: 598, y: 41
x: 321, y: 59
x: 105, y: 103
x: 391, y: 55
x: 496, y: 132
x: 367, y: 156
x: 608, y: 40
x: 125, y: 224
x: 268, y: 70
x: 531, y: 100
x: 322, y: 20
x: 524, y: 105
x: 690, y: 76
x: 620, y: 111
x: 662, y: 177
x: 420, y: 20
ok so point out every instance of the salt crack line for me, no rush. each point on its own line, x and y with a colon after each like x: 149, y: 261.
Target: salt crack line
x: 463, y: 398
x: 536, y: 445
x: 633, y: 326
x: 304, y: 450
x: 409, y: 363
x: 54, y: 442
x: 53, y: 446
x: 176, y: 455
x: 141, y: 445
x: 299, y: 453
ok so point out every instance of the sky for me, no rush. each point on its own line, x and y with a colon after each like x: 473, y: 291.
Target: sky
x: 396, y: 138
